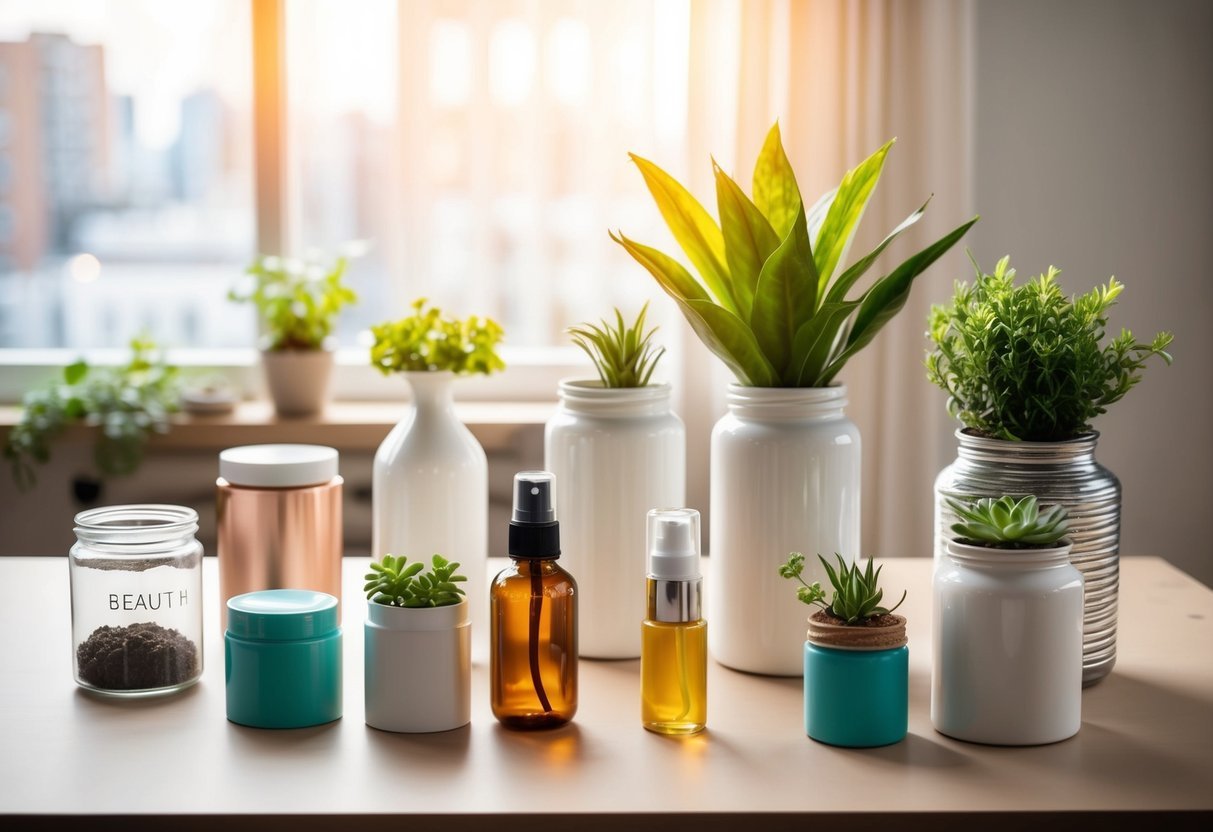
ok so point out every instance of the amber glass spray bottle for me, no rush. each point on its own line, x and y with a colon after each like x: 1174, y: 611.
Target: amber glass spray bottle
x: 533, y: 643
x: 674, y: 636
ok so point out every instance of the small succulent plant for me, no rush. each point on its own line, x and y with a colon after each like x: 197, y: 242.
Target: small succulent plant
x: 397, y: 583
x: 426, y: 341
x: 1007, y: 523
x: 857, y: 594
x: 624, y: 356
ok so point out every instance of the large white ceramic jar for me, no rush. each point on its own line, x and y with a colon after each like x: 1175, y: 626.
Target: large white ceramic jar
x: 785, y: 478
x: 430, y: 493
x: 1008, y: 645
x: 616, y: 454
x: 418, y: 667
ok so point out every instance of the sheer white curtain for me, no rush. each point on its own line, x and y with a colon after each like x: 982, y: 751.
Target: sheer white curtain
x: 842, y: 77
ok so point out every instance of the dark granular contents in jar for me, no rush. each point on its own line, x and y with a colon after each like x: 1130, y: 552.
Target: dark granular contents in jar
x: 136, y: 657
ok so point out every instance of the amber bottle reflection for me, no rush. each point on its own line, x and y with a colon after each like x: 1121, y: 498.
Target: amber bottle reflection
x: 533, y: 639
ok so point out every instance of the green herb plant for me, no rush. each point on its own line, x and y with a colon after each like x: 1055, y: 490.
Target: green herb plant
x: 128, y: 404
x: 857, y: 593
x: 397, y: 583
x: 1026, y: 362
x: 426, y: 341
x: 298, y: 301
x: 1007, y: 523
x: 624, y: 356
x: 773, y: 301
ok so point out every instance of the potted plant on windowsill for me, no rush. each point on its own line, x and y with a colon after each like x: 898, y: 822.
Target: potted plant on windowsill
x: 1026, y: 371
x: 777, y: 307
x: 128, y: 404
x: 430, y: 481
x: 1008, y: 626
x: 856, y: 662
x: 298, y: 303
x: 617, y: 450
x: 418, y: 650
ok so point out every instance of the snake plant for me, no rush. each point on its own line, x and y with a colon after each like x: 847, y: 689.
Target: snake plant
x: 772, y: 302
x: 1007, y: 523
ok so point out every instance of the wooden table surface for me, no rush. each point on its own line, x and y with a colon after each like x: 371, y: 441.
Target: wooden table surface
x: 1146, y: 743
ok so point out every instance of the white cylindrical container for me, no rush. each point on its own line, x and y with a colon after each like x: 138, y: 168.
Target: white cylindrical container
x: 1008, y: 645
x: 616, y: 454
x: 418, y: 667
x: 785, y: 478
x: 431, y: 492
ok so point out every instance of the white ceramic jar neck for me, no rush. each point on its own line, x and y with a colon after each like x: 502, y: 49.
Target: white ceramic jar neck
x: 433, y: 392
x: 975, y: 448
x: 993, y: 559
x: 416, y: 619
x: 590, y: 398
x: 787, y: 404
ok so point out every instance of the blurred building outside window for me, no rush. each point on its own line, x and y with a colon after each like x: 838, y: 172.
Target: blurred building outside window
x: 473, y: 152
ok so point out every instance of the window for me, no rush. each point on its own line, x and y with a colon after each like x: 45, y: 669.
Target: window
x: 469, y: 151
x: 126, y: 138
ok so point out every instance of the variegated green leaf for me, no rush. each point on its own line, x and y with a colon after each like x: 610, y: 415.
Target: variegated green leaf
x: 815, y: 342
x: 694, y: 229
x: 844, y: 283
x: 733, y: 341
x: 775, y: 191
x: 786, y: 294
x: 888, y: 295
x: 748, y: 239
x: 845, y: 212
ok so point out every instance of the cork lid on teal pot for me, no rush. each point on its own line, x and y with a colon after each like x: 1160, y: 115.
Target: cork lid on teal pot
x: 281, y: 615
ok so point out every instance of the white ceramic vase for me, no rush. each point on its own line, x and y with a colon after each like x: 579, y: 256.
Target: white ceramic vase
x: 785, y: 478
x: 1008, y: 645
x: 418, y: 668
x: 430, y: 493
x: 616, y: 454
x: 298, y: 380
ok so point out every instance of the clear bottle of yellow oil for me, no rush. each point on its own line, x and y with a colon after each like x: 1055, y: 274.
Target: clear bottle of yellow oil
x: 674, y: 636
x: 533, y: 603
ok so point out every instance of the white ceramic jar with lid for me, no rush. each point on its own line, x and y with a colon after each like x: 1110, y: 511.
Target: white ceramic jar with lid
x: 279, y: 520
x: 1008, y: 645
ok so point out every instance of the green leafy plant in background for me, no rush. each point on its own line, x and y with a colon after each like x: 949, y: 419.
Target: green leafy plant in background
x: 298, y: 301
x: 857, y: 593
x: 1007, y: 523
x: 426, y: 341
x: 1025, y: 362
x: 623, y: 356
x: 397, y: 583
x: 771, y: 302
x: 127, y: 403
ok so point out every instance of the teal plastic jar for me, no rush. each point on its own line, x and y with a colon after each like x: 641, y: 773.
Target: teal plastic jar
x: 282, y: 653
x: 856, y: 683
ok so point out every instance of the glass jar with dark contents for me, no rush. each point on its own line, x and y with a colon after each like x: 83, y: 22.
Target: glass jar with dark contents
x: 136, y: 579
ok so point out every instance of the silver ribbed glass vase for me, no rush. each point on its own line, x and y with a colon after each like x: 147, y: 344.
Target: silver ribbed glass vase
x: 1063, y: 473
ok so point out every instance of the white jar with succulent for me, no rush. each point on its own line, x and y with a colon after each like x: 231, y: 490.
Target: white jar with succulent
x: 417, y: 649
x: 298, y: 303
x: 773, y: 305
x: 1026, y: 373
x: 430, y: 481
x: 1008, y: 626
x: 617, y: 451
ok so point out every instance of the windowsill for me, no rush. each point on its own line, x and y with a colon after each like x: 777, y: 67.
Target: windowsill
x: 345, y: 424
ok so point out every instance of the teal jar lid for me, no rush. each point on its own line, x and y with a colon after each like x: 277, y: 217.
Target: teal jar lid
x: 281, y: 615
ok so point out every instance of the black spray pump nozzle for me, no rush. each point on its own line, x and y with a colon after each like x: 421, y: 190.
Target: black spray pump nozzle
x: 533, y: 497
x: 534, y: 532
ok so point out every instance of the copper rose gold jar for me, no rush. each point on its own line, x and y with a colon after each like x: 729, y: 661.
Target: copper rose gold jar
x: 279, y: 518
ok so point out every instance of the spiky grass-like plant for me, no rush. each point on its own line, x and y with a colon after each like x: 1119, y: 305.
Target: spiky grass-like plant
x: 397, y: 583
x: 1007, y: 523
x: 857, y: 593
x: 623, y: 356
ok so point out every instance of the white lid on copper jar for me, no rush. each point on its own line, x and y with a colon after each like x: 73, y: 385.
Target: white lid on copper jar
x: 278, y: 466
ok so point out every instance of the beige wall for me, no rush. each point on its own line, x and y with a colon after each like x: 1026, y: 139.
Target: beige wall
x: 1094, y: 153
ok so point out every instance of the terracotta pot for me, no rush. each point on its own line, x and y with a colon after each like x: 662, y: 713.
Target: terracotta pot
x: 298, y: 379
